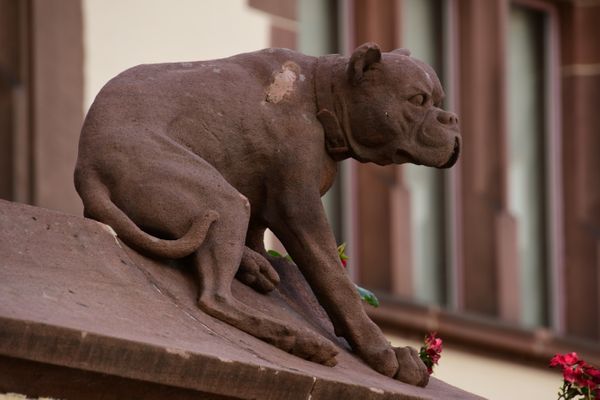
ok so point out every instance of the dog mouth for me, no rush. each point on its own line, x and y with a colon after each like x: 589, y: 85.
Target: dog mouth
x: 403, y: 156
x: 454, y: 157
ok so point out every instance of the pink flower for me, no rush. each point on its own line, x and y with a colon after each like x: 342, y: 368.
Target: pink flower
x: 574, y: 374
x: 579, y: 377
x: 430, y: 353
x: 593, y: 373
x: 564, y: 360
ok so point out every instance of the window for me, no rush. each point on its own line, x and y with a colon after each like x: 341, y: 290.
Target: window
x: 422, y: 27
x: 486, y: 240
x: 526, y: 153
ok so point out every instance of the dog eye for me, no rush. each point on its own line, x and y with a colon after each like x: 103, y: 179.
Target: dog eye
x: 419, y: 99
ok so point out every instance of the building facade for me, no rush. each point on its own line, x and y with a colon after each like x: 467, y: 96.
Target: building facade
x: 500, y: 254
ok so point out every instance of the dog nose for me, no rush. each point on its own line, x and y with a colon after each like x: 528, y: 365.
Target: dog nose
x: 447, y: 118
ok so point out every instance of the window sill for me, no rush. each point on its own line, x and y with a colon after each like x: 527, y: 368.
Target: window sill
x: 479, y: 334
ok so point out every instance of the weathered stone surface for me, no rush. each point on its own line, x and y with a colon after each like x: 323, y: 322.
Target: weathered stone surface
x: 79, y: 308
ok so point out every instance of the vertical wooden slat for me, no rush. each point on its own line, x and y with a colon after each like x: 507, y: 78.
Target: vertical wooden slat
x: 509, y: 300
x: 483, y: 126
x: 21, y: 190
x: 581, y: 167
x: 598, y: 281
x: 374, y: 184
x: 375, y: 21
x: 453, y: 184
x: 57, y: 100
x: 400, y: 238
x: 9, y: 82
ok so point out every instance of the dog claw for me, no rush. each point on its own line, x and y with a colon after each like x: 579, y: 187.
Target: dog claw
x: 411, y: 369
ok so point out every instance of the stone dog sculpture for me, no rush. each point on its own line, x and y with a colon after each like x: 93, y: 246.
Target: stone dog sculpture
x: 198, y: 158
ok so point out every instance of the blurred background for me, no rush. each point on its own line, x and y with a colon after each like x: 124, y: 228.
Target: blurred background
x: 500, y: 255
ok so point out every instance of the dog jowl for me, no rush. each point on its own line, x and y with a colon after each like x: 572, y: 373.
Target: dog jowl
x: 199, y: 158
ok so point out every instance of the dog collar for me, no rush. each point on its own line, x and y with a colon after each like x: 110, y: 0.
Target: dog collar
x: 329, y: 109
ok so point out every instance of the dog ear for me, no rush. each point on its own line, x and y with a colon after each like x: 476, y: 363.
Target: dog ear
x: 402, y: 52
x: 362, y: 58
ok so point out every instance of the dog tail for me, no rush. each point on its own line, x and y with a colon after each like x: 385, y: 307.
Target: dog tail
x: 100, y: 207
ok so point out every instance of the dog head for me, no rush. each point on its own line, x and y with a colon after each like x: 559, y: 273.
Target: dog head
x: 393, y: 109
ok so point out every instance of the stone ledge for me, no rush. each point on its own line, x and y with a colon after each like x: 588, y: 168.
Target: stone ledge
x: 81, y: 314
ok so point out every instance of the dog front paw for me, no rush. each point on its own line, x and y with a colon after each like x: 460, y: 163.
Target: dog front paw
x: 411, y: 369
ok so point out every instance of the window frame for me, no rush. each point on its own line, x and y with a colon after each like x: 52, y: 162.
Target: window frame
x: 487, y: 334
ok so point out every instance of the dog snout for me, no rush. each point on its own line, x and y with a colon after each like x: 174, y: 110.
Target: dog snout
x: 447, y: 118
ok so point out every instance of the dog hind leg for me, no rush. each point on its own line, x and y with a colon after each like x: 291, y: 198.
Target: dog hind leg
x: 217, y: 263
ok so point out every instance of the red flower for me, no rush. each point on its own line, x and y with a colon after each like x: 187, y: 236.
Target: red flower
x: 431, y: 352
x: 593, y: 373
x: 564, y: 360
x: 580, y: 378
x: 574, y: 374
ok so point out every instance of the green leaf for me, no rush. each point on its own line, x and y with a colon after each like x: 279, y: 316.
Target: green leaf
x: 342, y: 252
x: 367, y: 296
x: 273, y: 253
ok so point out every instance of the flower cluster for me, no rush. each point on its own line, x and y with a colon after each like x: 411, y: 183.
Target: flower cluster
x: 366, y: 295
x: 580, y: 380
x: 431, y: 351
x: 342, y: 253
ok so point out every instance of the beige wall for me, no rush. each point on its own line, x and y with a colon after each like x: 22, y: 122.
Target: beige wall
x: 119, y: 34
x: 490, y: 378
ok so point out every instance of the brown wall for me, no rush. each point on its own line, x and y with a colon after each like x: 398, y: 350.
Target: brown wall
x: 41, y: 101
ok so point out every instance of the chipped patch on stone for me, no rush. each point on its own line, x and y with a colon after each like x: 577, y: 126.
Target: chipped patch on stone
x: 111, y: 231
x: 217, y: 70
x: 108, y: 229
x: 180, y: 353
x: 376, y: 390
x: 83, y: 334
x: 283, y: 82
x: 225, y: 360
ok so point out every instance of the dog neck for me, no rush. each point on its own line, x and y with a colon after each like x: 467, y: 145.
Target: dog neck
x: 331, y: 109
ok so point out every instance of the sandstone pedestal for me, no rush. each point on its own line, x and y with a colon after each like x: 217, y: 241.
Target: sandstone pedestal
x: 84, y: 316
